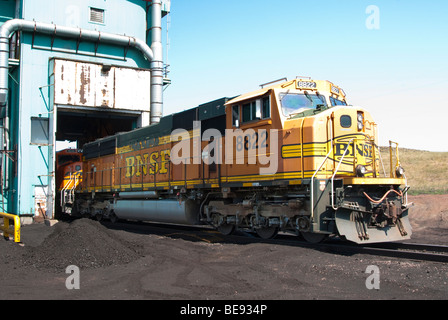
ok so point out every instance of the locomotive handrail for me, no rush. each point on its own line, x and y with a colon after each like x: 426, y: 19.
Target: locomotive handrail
x: 62, y: 193
x: 312, y: 181
x: 68, y: 191
x: 336, y: 171
x: 72, y: 190
x: 321, y: 165
x: 65, y: 188
x: 397, y: 156
x: 398, y: 164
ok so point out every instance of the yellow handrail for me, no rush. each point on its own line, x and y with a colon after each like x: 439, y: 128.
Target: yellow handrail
x: 5, y: 228
x: 392, y: 171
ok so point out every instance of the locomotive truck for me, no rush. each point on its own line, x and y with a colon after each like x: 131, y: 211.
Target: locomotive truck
x: 292, y: 157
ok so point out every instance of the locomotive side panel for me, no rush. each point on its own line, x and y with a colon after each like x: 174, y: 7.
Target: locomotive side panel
x: 291, y: 152
x: 99, y: 174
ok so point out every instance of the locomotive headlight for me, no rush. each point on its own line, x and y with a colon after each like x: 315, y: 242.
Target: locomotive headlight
x: 361, y: 171
x: 399, y: 171
x: 360, y: 121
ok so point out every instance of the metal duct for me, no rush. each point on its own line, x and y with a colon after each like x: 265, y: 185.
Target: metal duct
x: 156, y: 57
x: 157, y: 62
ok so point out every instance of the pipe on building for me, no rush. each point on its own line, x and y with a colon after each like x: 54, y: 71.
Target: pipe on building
x: 156, y: 111
x: 153, y: 55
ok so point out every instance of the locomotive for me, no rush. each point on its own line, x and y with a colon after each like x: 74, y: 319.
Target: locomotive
x: 291, y: 157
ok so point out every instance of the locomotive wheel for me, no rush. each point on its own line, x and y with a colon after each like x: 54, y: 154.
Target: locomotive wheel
x: 112, y: 217
x: 267, y: 232
x: 226, y: 229
x: 314, y: 237
x: 218, y: 221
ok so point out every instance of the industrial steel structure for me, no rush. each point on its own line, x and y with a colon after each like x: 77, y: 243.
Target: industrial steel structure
x: 96, y: 64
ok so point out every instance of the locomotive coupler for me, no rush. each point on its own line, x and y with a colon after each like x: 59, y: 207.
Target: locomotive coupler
x: 386, y: 213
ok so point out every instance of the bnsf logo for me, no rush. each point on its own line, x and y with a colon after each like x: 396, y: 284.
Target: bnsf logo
x: 360, y: 148
x: 156, y: 162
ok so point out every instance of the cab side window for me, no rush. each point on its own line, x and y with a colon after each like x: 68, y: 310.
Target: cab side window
x: 266, y: 107
x: 251, y: 111
x: 236, y: 116
x: 256, y: 110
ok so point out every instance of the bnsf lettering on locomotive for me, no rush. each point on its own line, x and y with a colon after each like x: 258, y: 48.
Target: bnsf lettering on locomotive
x: 367, y: 151
x: 363, y: 150
x: 156, y: 162
x: 141, y: 164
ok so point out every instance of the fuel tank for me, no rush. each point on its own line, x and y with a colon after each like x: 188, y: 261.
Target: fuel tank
x: 164, y: 211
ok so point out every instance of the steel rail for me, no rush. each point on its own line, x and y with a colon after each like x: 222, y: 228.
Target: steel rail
x: 399, y: 250
x: 414, y: 254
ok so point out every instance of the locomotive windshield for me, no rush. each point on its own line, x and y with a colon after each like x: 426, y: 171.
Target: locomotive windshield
x: 293, y: 103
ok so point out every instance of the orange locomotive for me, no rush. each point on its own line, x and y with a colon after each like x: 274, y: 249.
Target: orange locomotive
x: 289, y: 157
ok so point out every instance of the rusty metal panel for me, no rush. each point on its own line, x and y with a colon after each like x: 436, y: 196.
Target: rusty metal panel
x: 92, y: 85
x: 85, y: 84
x: 105, y: 82
x: 132, y: 89
x: 64, y: 84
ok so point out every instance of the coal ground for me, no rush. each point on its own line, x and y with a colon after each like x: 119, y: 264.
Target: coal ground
x: 140, y: 261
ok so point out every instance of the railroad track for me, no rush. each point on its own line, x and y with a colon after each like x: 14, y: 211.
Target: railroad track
x: 401, y: 250
x: 415, y: 251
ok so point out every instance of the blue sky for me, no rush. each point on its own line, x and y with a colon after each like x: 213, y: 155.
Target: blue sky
x: 398, y: 72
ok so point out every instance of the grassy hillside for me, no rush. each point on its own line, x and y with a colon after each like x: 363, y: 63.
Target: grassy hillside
x: 427, y: 172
